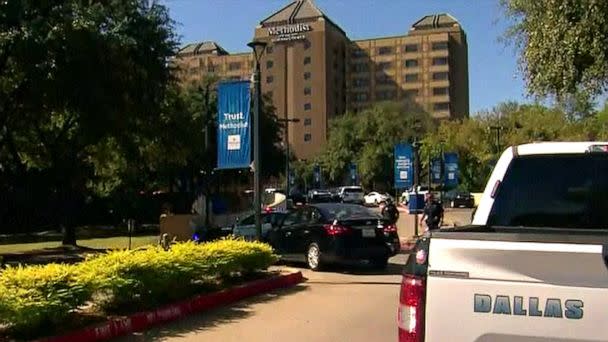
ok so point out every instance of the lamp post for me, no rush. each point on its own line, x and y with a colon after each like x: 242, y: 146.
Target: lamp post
x: 497, y: 129
x: 258, y: 48
x: 287, y: 122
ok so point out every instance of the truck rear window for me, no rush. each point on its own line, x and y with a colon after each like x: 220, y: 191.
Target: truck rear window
x: 558, y: 191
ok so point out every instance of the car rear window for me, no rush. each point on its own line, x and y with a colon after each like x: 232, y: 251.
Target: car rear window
x: 347, y: 211
x: 559, y: 191
x: 353, y: 190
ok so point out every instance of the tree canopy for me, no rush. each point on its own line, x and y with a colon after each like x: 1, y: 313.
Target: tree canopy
x: 562, y: 45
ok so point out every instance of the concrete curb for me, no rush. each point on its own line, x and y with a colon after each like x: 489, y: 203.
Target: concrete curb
x: 141, y: 321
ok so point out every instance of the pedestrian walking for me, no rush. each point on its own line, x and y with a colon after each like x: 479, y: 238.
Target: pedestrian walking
x: 433, y: 213
x: 390, y: 212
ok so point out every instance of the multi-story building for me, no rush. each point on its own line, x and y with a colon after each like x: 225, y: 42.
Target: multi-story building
x: 314, y: 72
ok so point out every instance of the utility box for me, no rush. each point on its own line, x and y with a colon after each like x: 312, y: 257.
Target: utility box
x: 416, y: 203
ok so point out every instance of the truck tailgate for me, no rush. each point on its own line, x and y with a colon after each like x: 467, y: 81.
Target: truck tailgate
x: 508, y: 288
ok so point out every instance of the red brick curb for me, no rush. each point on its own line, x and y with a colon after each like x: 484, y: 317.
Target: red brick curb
x: 141, y: 321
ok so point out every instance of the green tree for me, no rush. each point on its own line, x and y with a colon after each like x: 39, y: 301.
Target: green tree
x: 368, y: 138
x: 562, y: 44
x: 83, y: 88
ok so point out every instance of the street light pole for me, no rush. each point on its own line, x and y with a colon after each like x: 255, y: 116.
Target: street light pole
x: 258, y: 50
x: 497, y: 129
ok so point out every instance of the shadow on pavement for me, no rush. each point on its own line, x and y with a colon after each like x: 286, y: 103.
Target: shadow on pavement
x: 354, y: 268
x: 210, y: 319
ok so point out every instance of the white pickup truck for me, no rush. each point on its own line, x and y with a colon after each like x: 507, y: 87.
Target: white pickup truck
x: 533, y: 266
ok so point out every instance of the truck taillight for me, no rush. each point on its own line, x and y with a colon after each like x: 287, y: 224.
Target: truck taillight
x: 410, y: 317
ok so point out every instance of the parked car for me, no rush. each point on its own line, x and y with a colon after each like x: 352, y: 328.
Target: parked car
x: 458, y: 199
x: 319, y: 196
x: 376, y: 198
x: 405, y: 196
x: 246, y: 226
x: 332, y: 232
x: 351, y: 194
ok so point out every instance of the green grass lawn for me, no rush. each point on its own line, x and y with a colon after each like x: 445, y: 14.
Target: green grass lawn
x: 121, y: 242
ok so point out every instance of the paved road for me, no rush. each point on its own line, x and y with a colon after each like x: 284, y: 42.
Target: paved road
x: 345, y: 304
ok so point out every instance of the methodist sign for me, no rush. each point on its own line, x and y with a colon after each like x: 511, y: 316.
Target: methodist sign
x: 404, y: 166
x: 289, y: 32
x: 234, y: 125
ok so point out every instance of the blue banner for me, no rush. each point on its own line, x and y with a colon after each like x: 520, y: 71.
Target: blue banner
x: 353, y: 173
x: 451, y: 170
x: 436, y: 171
x: 234, y: 125
x: 404, y: 166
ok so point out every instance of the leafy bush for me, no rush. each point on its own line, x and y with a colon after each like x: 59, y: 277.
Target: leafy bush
x: 39, y: 297
x: 36, y: 298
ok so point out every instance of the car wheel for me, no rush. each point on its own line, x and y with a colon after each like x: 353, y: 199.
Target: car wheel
x: 379, y: 263
x: 313, y: 257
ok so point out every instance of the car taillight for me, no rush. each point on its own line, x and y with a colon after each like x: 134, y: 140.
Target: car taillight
x: 336, y: 229
x: 390, y: 228
x: 410, y: 317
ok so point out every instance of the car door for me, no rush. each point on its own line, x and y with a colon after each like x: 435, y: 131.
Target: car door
x: 245, y: 228
x: 281, y: 238
x: 301, y: 233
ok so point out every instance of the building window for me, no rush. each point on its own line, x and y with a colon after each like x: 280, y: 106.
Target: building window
x: 440, y: 76
x: 234, y: 66
x: 307, y: 122
x: 361, y: 67
x: 306, y: 44
x: 440, y: 61
x: 439, y: 46
x: 269, y: 79
x: 235, y: 78
x: 361, y: 82
x: 269, y: 64
x: 411, y: 92
x: 307, y: 137
x: 361, y: 97
x: 269, y: 49
x: 440, y: 91
x: 269, y: 94
x: 385, y: 95
x: 411, y: 63
x: 356, y: 53
x: 210, y: 68
x: 307, y: 60
x: 441, y: 106
x: 411, y: 78
x: 384, y: 79
x: 307, y: 90
x: 410, y: 48
x: 307, y: 75
x: 307, y: 106
x: 385, y: 65
x: 193, y: 71
x: 385, y: 50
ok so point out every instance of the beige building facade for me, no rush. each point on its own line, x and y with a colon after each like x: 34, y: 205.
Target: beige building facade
x: 314, y: 72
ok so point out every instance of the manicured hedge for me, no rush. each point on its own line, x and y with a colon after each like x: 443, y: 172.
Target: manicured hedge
x: 38, y: 298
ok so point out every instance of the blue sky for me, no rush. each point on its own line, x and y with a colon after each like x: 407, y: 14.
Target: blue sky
x: 493, y: 73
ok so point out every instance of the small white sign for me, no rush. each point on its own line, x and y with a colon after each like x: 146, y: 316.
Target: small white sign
x: 403, y: 175
x: 234, y: 142
x: 451, y: 176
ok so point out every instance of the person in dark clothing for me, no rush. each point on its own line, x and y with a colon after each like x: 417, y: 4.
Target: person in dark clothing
x: 390, y: 212
x: 433, y: 213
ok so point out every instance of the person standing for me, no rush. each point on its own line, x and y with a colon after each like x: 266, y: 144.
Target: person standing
x: 390, y: 212
x: 433, y: 213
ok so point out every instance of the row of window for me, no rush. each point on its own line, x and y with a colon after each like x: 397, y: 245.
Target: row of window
x: 391, y: 94
x: 388, y: 65
x: 389, y: 50
x: 270, y: 78
x: 408, y: 78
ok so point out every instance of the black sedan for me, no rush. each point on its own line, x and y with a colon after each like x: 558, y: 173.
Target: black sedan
x: 457, y: 199
x: 334, y: 232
